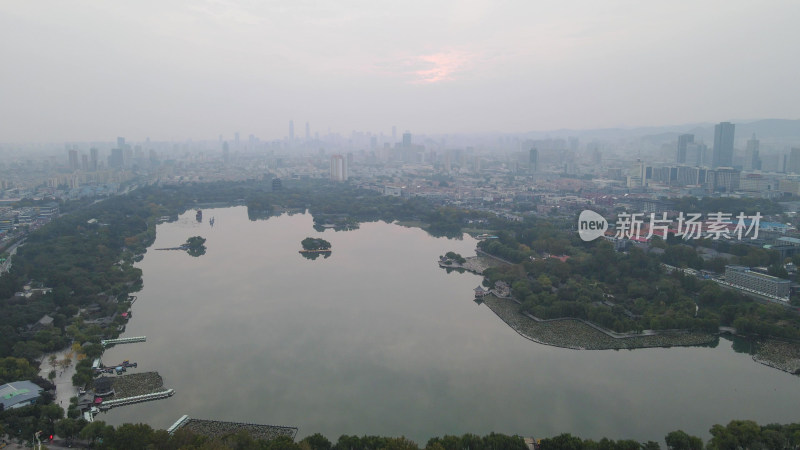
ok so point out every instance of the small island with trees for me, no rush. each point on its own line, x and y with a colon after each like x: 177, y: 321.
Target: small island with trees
x: 313, y: 247
x: 195, y: 246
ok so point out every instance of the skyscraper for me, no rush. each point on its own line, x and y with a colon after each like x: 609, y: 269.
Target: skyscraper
x: 696, y: 154
x: 338, y: 168
x: 683, y: 141
x: 407, y: 139
x: 73, y: 160
x: 794, y: 161
x: 115, y: 160
x: 723, y: 145
x: 533, y: 160
x: 94, y: 157
x: 752, y: 160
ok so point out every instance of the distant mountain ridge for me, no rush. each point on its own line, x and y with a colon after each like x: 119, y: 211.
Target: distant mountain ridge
x: 765, y: 129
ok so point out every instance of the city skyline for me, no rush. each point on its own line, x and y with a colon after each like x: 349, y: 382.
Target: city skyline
x: 81, y: 72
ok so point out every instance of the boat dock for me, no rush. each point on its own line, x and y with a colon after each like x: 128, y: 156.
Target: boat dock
x: 108, y: 404
x: 178, y: 423
x: 128, y: 340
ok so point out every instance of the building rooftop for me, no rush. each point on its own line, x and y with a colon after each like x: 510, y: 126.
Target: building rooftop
x: 16, y: 392
x: 756, y: 274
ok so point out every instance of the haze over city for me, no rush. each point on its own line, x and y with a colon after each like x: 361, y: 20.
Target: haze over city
x: 82, y: 71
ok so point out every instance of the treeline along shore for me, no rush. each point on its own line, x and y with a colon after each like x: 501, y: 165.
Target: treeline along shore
x: 77, y: 272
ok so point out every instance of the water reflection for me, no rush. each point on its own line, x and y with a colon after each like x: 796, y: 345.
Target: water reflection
x: 380, y: 340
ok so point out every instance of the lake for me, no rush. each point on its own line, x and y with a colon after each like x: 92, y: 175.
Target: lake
x: 377, y: 339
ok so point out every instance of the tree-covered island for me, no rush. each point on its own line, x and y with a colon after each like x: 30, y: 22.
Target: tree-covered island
x: 195, y: 246
x: 314, y: 247
x: 318, y: 245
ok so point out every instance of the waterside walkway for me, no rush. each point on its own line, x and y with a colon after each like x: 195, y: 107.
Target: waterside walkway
x: 581, y: 335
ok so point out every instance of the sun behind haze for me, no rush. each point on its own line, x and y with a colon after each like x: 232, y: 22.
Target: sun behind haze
x: 188, y: 69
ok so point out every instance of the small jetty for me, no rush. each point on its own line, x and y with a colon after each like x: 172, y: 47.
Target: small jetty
x: 182, y: 247
x: 108, y: 404
x: 199, y: 215
x: 178, y: 423
x: 211, y: 222
x: 128, y: 340
x: 317, y: 251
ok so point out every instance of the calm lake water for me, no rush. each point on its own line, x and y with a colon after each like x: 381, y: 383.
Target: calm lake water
x: 377, y: 339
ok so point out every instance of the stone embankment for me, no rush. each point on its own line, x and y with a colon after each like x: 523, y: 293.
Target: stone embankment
x: 214, y: 428
x: 779, y: 354
x: 137, y: 384
x: 572, y: 333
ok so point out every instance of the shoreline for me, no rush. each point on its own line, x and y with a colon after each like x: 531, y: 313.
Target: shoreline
x: 781, y: 355
x: 577, y: 335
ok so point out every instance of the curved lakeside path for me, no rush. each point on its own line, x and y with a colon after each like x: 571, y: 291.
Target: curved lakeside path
x: 576, y: 334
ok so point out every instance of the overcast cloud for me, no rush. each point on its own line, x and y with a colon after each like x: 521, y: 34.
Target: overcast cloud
x: 85, y: 70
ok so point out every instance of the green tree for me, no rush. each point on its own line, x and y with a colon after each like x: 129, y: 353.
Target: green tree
x: 563, y: 441
x: 96, y: 430
x: 680, y: 440
x: 68, y: 428
x: 316, y: 442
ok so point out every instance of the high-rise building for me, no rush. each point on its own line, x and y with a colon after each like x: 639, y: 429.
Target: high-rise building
x: 127, y: 156
x: 723, y: 145
x: 85, y: 163
x: 338, y: 168
x: 394, y: 134
x: 120, y: 142
x: 115, y: 160
x: 308, y: 132
x: 696, y: 154
x: 95, y: 156
x: 726, y: 179
x: 683, y: 141
x: 637, y: 174
x: 73, y: 160
x: 291, y: 130
x: 752, y: 160
x: 407, y: 139
x: 533, y: 160
x: 794, y: 161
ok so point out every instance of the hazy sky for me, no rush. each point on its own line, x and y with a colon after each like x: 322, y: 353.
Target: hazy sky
x: 94, y: 70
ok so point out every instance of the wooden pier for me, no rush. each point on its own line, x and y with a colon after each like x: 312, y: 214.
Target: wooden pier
x: 128, y: 340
